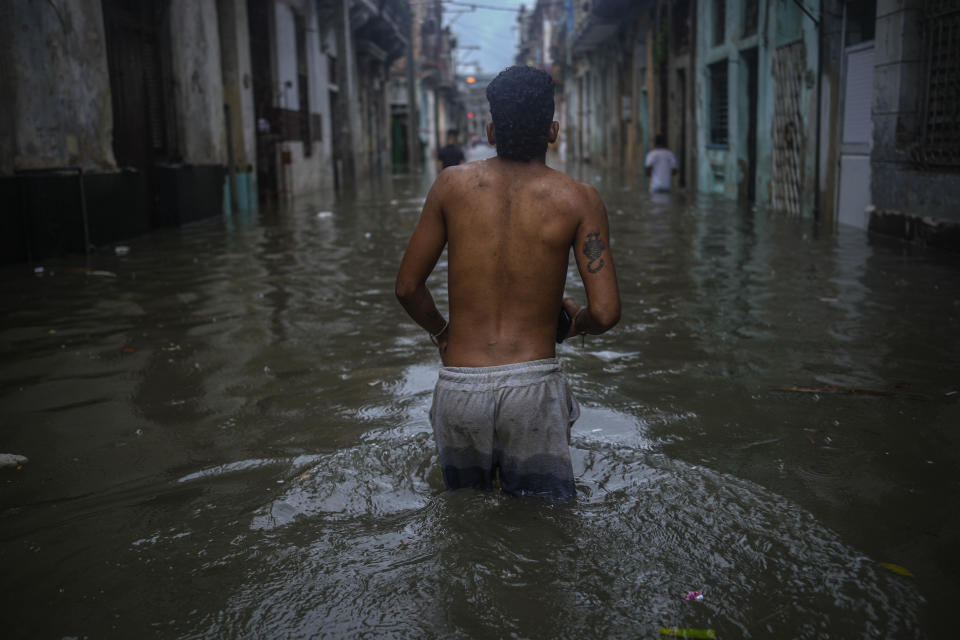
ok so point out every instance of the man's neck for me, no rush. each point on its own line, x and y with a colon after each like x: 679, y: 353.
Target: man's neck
x: 532, y: 161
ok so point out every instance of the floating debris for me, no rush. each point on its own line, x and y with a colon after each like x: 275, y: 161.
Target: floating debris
x: 903, y: 571
x: 12, y: 460
x: 832, y: 389
x: 101, y: 273
x: 324, y: 214
x: 693, y: 595
x: 121, y: 250
x: 678, y: 632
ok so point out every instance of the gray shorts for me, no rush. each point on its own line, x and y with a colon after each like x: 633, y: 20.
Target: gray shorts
x: 515, y: 418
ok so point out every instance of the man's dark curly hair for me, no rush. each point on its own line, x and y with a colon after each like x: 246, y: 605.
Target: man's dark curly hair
x: 521, y: 103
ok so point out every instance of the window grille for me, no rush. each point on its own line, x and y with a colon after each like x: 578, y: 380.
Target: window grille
x: 681, y: 25
x: 719, y: 21
x: 718, y: 103
x: 941, y: 126
x: 789, y: 140
x: 751, y: 17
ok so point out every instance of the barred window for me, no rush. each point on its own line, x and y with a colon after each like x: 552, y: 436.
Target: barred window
x: 751, y: 17
x: 718, y: 103
x: 719, y: 21
x: 941, y: 128
x: 681, y: 25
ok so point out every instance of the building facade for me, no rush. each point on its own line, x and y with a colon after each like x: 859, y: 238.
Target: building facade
x: 127, y: 116
x: 842, y: 111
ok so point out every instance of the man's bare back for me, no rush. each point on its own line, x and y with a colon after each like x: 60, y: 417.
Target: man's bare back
x: 509, y: 226
x: 501, y: 406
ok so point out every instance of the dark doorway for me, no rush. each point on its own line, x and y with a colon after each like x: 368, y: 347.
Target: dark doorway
x: 750, y: 62
x: 398, y: 136
x: 268, y: 124
x: 137, y: 55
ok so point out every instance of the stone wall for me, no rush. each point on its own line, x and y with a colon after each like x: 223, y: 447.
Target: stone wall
x: 56, y: 86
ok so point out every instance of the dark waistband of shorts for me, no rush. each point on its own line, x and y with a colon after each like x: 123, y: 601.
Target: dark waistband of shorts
x: 517, y: 373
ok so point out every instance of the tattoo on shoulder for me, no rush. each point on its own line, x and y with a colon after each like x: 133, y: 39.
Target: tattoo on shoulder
x: 593, y: 249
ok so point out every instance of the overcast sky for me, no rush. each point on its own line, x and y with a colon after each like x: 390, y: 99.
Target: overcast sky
x: 495, y: 32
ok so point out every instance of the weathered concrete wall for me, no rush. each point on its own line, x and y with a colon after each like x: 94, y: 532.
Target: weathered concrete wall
x: 198, y: 81
x: 56, y: 86
x: 900, y: 185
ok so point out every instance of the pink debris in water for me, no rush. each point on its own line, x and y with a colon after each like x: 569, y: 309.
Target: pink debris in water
x: 693, y: 595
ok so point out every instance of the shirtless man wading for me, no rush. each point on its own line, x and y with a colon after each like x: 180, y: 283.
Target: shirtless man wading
x: 501, y: 402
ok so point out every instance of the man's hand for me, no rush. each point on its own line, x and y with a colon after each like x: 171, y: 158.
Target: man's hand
x: 441, y: 341
x: 573, y: 309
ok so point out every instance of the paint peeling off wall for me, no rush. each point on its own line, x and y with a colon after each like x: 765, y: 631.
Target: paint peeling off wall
x: 60, y: 111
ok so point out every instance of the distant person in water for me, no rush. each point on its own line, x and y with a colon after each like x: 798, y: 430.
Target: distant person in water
x: 661, y: 165
x: 501, y: 405
x: 450, y: 155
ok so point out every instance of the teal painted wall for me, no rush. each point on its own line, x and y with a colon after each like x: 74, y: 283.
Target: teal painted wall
x: 723, y: 170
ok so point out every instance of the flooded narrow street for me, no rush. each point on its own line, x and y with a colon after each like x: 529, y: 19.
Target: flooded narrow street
x: 227, y: 437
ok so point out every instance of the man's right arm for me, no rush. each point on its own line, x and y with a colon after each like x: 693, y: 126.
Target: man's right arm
x: 423, y: 251
x: 591, y: 249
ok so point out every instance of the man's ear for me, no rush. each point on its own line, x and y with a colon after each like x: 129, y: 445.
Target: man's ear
x: 491, y: 134
x: 554, y: 131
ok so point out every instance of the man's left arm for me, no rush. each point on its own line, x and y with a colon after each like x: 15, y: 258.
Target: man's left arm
x: 423, y: 251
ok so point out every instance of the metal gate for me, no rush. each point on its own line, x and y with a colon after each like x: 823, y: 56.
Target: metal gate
x: 788, y: 129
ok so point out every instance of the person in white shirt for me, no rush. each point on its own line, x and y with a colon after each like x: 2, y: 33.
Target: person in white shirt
x: 661, y: 164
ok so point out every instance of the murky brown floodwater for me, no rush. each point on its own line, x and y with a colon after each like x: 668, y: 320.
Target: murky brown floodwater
x: 229, y: 439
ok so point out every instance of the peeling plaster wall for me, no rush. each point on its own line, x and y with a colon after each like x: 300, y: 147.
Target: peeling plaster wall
x: 58, y: 111
x: 198, y: 84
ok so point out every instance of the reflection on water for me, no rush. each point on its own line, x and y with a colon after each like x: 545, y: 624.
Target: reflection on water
x: 228, y: 437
